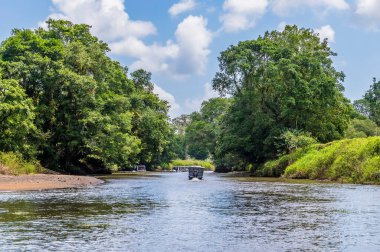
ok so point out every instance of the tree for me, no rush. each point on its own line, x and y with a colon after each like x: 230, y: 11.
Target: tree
x: 142, y: 79
x: 179, y: 124
x: 91, y: 117
x: 16, y: 119
x: 362, y: 128
x: 202, y: 132
x: 150, y: 121
x: 369, y: 106
x: 281, y: 81
x: 198, y: 138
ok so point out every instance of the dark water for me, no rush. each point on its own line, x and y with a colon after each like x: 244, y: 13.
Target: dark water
x: 170, y: 213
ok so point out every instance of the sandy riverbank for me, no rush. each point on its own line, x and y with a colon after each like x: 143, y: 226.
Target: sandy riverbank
x: 45, y: 181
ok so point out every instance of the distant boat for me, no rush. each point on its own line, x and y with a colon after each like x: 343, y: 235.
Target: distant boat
x: 139, y: 168
x: 181, y: 168
x: 195, y: 172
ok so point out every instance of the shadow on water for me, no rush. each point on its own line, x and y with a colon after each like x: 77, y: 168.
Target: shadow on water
x: 168, y: 212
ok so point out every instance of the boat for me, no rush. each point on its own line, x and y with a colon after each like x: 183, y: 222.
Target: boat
x: 139, y: 168
x: 196, y: 172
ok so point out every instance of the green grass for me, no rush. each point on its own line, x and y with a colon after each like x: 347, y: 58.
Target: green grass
x: 189, y: 162
x: 276, y: 168
x: 352, y: 160
x: 13, y: 164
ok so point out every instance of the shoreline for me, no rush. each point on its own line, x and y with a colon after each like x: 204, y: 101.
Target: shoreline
x: 45, y: 182
x: 246, y: 177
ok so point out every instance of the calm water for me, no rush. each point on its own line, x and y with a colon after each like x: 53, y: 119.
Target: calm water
x: 170, y: 213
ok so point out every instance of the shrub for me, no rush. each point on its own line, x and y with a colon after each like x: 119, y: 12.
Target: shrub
x: 291, y: 140
x: 360, y: 128
x: 356, y: 160
x: 189, y: 162
x: 14, y: 164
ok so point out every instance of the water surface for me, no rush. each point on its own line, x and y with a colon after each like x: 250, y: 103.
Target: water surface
x: 170, y: 213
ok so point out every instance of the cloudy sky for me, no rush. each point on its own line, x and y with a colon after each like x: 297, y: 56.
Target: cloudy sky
x: 179, y: 40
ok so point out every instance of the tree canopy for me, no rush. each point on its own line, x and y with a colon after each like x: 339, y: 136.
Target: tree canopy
x: 280, y: 81
x: 87, y: 114
x: 369, y: 106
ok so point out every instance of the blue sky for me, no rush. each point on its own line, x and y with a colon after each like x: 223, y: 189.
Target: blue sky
x: 179, y: 40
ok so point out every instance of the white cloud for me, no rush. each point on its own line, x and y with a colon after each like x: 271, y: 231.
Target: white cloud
x: 182, y: 6
x: 242, y: 14
x: 285, y: 7
x: 152, y: 58
x: 107, y: 17
x: 164, y: 95
x: 326, y: 32
x: 195, y: 104
x: 193, y: 39
x: 369, y: 12
x: 187, y: 55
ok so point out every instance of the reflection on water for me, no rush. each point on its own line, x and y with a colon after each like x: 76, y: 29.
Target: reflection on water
x: 170, y: 213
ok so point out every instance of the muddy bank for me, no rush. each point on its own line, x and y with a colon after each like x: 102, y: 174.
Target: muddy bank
x: 45, y: 181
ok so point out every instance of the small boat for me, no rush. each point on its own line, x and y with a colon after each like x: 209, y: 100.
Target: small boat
x: 139, y: 168
x: 196, y: 172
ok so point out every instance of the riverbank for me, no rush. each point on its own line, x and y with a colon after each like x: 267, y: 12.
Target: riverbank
x: 45, y: 182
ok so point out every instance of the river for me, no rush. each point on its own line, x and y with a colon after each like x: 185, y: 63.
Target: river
x: 166, y: 212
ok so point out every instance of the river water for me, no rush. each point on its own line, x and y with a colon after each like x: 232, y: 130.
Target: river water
x: 167, y: 212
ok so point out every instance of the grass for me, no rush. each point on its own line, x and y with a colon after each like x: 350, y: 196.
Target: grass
x: 352, y: 160
x: 192, y: 162
x: 276, y: 168
x: 13, y: 164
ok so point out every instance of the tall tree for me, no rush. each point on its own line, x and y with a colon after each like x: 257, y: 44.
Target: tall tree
x: 369, y: 106
x: 280, y: 81
x: 89, y: 113
x: 150, y: 121
x: 16, y: 119
x: 202, y: 132
x: 179, y: 125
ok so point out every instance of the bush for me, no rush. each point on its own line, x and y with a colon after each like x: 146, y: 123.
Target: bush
x: 356, y: 160
x: 13, y: 164
x: 276, y: 168
x: 360, y: 128
x: 192, y: 162
x: 291, y: 140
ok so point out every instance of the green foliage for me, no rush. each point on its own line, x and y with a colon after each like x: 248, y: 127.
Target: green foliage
x: 291, y: 140
x: 359, y: 128
x: 88, y: 115
x: 281, y: 81
x: 198, y: 139
x: 276, y: 167
x: 192, y: 162
x: 16, y: 119
x: 151, y: 126
x: 369, y: 106
x: 202, y: 131
x: 355, y: 160
x: 142, y: 79
x: 178, y: 143
x: 13, y: 164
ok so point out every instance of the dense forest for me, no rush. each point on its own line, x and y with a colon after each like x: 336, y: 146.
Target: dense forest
x: 64, y: 104
x: 284, y: 95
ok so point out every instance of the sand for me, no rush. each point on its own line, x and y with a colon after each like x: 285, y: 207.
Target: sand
x: 45, y: 182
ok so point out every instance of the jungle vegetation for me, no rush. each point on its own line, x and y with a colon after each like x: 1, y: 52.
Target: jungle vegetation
x: 67, y: 106
x: 284, y: 95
